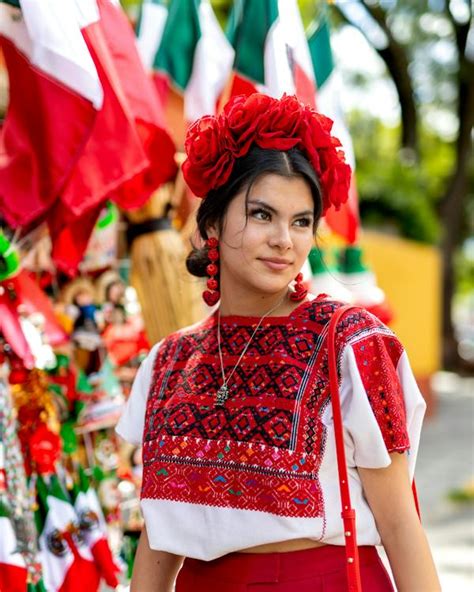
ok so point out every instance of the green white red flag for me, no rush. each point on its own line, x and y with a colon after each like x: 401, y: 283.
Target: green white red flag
x: 271, y: 51
x: 345, y: 221
x: 150, y: 26
x: 94, y: 529
x: 51, y: 72
x: 63, y: 159
x: 66, y: 560
x: 12, y: 564
x: 191, y: 54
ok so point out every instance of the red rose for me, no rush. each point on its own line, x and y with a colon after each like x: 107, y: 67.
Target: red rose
x: 314, y: 131
x: 242, y: 117
x: 278, y: 127
x: 209, y: 149
x: 315, y: 135
x: 335, y: 178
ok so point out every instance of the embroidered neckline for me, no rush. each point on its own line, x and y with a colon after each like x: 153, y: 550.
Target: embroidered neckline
x: 270, y: 320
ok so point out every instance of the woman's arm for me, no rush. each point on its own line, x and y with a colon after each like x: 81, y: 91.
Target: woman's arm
x: 154, y: 571
x: 389, y: 494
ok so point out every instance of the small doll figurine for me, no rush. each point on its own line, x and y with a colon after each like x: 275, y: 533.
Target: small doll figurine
x: 110, y: 295
x: 79, y: 297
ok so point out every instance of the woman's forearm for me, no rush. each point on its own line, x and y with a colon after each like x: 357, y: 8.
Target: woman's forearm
x: 410, y: 558
x: 389, y: 493
x: 154, y: 571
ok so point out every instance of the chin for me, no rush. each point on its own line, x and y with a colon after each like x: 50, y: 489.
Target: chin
x: 271, y: 287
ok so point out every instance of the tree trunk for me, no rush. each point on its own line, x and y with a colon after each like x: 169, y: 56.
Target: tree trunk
x: 395, y: 59
x: 452, y: 210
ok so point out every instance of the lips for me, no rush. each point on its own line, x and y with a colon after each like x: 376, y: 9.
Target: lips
x: 275, y: 263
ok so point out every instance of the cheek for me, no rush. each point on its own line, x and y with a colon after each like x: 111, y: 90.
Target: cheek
x: 303, y: 244
x: 253, y: 237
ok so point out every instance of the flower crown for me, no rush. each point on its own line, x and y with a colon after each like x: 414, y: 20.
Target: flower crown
x: 213, y: 143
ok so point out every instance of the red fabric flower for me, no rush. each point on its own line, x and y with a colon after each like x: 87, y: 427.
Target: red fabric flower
x: 278, y: 128
x: 213, y: 143
x: 210, y: 158
x: 335, y: 179
x: 242, y: 116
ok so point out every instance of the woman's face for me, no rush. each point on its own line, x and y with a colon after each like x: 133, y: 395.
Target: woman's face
x: 265, y: 242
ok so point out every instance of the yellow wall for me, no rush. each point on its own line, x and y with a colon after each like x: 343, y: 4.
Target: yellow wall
x: 410, y: 275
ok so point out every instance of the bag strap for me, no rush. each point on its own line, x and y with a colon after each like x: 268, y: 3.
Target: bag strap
x: 347, y: 513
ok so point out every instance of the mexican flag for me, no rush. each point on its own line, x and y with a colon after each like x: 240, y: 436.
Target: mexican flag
x: 345, y: 221
x: 271, y: 51
x: 153, y: 15
x: 128, y: 153
x: 193, y: 55
x: 94, y: 529
x: 145, y: 108
x: 84, y: 122
x: 12, y: 564
x: 50, y: 72
x: 68, y: 565
x: 113, y: 153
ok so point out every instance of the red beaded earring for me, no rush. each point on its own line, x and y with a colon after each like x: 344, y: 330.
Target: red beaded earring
x: 300, y: 292
x: 211, y: 295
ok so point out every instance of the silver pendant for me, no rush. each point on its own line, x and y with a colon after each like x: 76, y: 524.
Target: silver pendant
x: 222, y: 395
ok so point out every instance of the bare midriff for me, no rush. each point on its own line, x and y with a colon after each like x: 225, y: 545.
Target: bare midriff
x: 284, y: 546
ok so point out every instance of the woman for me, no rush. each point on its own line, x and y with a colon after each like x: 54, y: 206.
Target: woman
x: 240, y: 473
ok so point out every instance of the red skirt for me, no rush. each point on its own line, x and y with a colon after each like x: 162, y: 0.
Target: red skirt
x: 311, y: 570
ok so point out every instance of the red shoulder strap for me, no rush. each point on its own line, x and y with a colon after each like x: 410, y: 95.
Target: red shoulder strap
x: 347, y: 513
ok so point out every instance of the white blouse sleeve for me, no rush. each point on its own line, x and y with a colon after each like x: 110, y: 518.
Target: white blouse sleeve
x: 131, y: 422
x: 382, y: 406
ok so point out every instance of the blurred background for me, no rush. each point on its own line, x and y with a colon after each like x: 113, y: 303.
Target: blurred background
x: 96, y: 221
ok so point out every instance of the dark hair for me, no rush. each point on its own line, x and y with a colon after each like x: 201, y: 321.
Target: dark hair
x: 246, y: 171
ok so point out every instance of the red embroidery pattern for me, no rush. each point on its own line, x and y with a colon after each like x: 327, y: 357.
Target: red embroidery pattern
x: 377, y: 357
x: 263, y: 449
x: 232, y: 474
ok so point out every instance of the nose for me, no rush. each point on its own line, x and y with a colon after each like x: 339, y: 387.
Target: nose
x: 281, y: 237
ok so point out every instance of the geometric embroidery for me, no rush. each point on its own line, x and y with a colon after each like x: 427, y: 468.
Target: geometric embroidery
x: 262, y: 450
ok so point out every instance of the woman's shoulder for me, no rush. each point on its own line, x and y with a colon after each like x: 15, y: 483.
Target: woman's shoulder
x: 356, y: 322
x: 321, y: 308
x: 180, y: 336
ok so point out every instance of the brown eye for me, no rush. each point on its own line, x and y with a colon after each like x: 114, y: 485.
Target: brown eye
x: 303, y: 222
x: 260, y: 214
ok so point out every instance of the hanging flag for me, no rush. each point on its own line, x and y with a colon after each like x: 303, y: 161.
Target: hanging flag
x: 94, y: 529
x: 345, y: 221
x: 124, y: 154
x: 145, y: 107
x: 12, y: 564
x: 68, y: 565
x: 271, y: 51
x: 113, y: 152
x: 194, y: 55
x: 51, y: 72
x: 153, y: 15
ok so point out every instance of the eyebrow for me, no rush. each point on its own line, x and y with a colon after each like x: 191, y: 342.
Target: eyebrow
x: 259, y: 202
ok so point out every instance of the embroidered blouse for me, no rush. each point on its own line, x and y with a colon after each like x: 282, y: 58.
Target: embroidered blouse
x: 262, y: 468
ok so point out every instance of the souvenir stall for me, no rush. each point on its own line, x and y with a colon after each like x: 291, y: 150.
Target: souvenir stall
x: 61, y: 395
x: 70, y: 348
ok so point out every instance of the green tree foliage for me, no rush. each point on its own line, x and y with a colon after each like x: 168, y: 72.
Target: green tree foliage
x: 397, y: 193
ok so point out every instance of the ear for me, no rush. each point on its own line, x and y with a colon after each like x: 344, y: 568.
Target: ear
x: 212, y: 231
x: 197, y: 240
